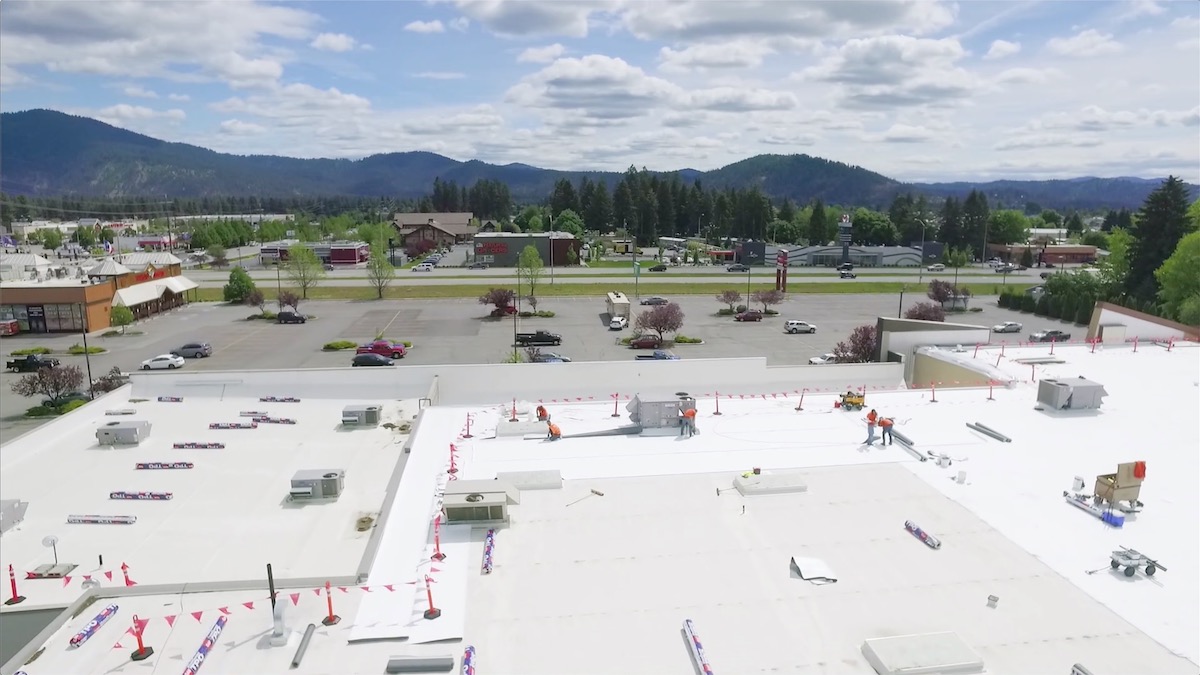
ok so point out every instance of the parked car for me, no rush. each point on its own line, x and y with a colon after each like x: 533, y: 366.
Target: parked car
x: 164, y: 362
x: 936, y: 268
x: 822, y: 360
x: 748, y: 315
x: 66, y: 398
x: 844, y: 274
x: 845, y: 267
x: 1005, y: 269
x: 618, y: 323
x: 388, y: 348
x: 328, y: 267
x: 645, y: 342
x: 478, y: 266
x: 794, y: 327
x: 1050, y: 336
x: 1046, y: 275
x: 538, y: 339
x: 660, y: 267
x: 194, y: 350
x: 290, y: 317
x: 371, y: 360
x: 1007, y: 327
x: 423, y: 267
x: 737, y: 267
x: 657, y: 355
x: 654, y: 300
x: 550, y: 357
x: 31, y: 363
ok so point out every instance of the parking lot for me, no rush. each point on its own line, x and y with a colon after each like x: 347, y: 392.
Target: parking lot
x: 459, y: 332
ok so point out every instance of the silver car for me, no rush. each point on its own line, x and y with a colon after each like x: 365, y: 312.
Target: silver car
x: 1007, y: 327
x: 194, y: 350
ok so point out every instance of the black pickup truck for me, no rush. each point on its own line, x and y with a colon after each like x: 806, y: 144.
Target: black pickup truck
x: 539, y: 339
x: 31, y: 363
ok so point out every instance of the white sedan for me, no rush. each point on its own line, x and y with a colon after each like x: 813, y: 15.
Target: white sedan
x: 1007, y: 327
x: 822, y: 360
x: 164, y: 362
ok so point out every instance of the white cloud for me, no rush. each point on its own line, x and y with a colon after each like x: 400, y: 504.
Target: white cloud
x: 1027, y: 76
x: 541, y: 54
x: 792, y: 140
x: 705, y: 57
x: 123, y: 112
x: 440, y: 75
x: 1140, y: 8
x: 138, y: 92
x: 481, y: 118
x: 1047, y: 141
x: 568, y: 18
x: 1001, y: 49
x: 1085, y: 43
x: 236, y: 127
x: 896, y: 71
x: 460, y: 24
x: 434, y: 26
x: 178, y: 97
x: 904, y: 133
x: 598, y: 86
x: 334, y: 42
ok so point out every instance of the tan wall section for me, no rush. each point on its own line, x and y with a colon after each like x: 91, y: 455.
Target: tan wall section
x: 96, y: 298
x: 927, y: 370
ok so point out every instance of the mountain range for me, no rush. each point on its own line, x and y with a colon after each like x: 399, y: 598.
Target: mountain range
x: 50, y: 153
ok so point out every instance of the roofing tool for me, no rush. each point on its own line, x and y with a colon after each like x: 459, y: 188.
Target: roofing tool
x: 930, y: 540
x: 594, y: 492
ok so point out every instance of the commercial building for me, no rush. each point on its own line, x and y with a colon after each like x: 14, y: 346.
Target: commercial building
x: 442, y: 229
x: 337, y: 253
x: 502, y: 249
x: 860, y: 256
x: 45, y: 297
x: 1046, y: 253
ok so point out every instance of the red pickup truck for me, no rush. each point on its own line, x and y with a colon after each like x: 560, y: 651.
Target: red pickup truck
x: 392, y: 350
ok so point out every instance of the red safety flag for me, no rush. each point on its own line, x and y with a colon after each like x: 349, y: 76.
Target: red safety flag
x: 118, y: 645
x: 108, y: 575
x: 248, y: 605
x: 66, y: 581
x: 317, y: 591
x: 87, y: 577
x: 141, y: 624
x: 366, y: 589
x: 295, y: 599
x: 391, y: 588
x: 170, y: 620
x: 224, y: 610
x: 197, y: 615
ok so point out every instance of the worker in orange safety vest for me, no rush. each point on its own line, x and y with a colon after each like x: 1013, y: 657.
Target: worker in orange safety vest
x: 687, y: 422
x: 553, y: 433
x: 885, y: 430
x: 871, y: 417
x: 542, y: 415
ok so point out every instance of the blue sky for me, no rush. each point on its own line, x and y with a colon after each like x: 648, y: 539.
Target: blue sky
x: 917, y: 90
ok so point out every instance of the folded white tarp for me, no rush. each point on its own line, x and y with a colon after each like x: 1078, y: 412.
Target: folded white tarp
x: 812, y: 570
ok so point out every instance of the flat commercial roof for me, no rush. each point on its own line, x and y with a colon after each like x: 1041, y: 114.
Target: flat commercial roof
x: 227, y: 517
x: 647, y: 531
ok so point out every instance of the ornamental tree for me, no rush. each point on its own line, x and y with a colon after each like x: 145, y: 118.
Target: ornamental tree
x: 926, y: 311
x: 53, y: 383
x: 500, y: 298
x: 661, y: 319
x: 860, y: 346
x: 255, y: 298
x: 288, y: 299
x: 239, y: 286
x: 768, y: 298
x: 730, y: 298
x: 120, y: 316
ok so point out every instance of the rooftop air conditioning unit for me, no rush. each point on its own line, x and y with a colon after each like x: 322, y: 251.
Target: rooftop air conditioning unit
x: 123, y: 432
x: 363, y: 415
x: 479, y: 501
x: 317, y: 484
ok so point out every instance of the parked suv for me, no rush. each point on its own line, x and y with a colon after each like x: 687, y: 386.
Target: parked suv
x: 290, y: 317
x: 748, y: 315
x: 194, y: 350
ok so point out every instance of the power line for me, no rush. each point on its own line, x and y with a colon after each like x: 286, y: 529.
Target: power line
x: 55, y: 209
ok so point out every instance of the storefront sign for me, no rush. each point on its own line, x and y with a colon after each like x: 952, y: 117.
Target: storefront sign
x: 491, y: 248
x: 150, y: 274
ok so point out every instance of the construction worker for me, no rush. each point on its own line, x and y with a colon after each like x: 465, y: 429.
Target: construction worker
x: 885, y: 430
x: 871, y: 418
x: 688, y: 422
x: 542, y: 415
x: 553, y: 433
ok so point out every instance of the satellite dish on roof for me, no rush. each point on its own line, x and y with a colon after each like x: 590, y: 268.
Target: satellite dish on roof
x: 51, y: 542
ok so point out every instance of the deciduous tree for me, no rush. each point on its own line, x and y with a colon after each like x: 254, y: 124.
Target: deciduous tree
x: 288, y: 299
x: 239, y: 286
x: 926, y: 311
x: 51, y: 239
x: 255, y: 298
x: 861, y: 346
x: 661, y: 319
x: 53, y: 383
x: 768, y: 298
x: 1179, y: 277
x: 304, y: 268
x: 731, y: 298
x: 380, y: 271
x: 217, y: 257
x: 500, y: 298
x: 530, y: 269
x: 120, y: 316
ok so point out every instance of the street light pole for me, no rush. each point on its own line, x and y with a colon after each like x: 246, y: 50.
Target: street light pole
x: 921, y: 270
x: 900, y: 309
x: 87, y: 356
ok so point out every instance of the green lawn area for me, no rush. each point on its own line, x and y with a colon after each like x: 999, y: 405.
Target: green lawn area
x: 400, y: 291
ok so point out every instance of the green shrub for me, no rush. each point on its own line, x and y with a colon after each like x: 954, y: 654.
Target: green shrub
x: 524, y: 315
x: 544, y: 314
x: 71, y: 405
x: 741, y: 308
x: 31, y: 350
x: 78, y: 350
x: 266, y: 315
x: 725, y: 311
x: 41, y: 411
x: 1041, y: 306
x: 685, y: 340
x: 339, y: 345
x: 975, y: 309
x: 626, y: 340
x: 771, y: 312
x: 1083, y: 316
x: 1028, y: 304
x: 111, y: 333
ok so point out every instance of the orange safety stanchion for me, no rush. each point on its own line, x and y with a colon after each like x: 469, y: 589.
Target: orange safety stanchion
x: 432, y: 612
x: 718, y: 398
x: 616, y: 400
x: 990, y: 384
x: 468, y: 434
x: 933, y: 392
x: 330, y: 618
x: 143, y: 652
x: 800, y: 405
x: 514, y: 412
x: 16, y: 598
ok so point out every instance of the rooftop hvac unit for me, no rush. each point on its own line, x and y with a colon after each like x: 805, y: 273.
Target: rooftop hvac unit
x: 318, y: 484
x: 1077, y: 394
x: 123, y: 432
x: 365, y: 415
x: 478, y: 501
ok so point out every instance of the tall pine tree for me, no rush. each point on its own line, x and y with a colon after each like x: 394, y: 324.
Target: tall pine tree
x: 1161, y: 223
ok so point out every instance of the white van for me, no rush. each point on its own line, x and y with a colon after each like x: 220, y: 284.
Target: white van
x: 936, y: 268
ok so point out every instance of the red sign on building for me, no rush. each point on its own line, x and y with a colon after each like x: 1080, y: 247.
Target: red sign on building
x: 491, y: 248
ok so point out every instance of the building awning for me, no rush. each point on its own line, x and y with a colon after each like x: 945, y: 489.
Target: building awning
x: 178, y: 284
x: 140, y: 294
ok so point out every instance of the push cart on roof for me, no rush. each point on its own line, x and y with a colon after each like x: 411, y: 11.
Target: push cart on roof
x: 1130, y: 560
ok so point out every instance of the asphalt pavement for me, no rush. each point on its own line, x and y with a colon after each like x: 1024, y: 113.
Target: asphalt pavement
x: 460, y: 332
